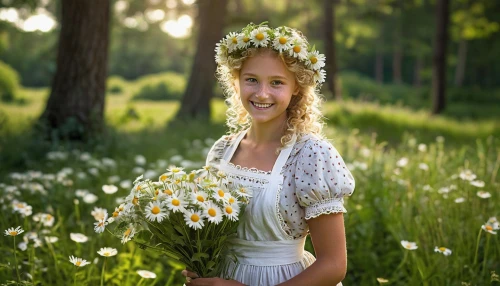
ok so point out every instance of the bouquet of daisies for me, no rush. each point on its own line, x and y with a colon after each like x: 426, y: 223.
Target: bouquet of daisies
x: 186, y: 216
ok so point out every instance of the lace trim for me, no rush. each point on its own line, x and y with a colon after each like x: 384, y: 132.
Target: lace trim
x: 248, y: 179
x: 284, y: 226
x: 252, y: 170
x: 328, y: 206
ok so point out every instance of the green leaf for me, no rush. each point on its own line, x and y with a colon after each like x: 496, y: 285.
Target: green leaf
x: 198, y: 256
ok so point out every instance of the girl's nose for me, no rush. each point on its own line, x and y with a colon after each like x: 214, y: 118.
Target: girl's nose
x: 262, y: 92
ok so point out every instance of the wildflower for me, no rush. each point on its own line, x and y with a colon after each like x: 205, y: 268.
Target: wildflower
x: 199, y: 197
x: 422, y: 148
x: 98, y: 213
x: 107, y: 251
x: 402, y: 162
x: 176, y: 203
x: 444, y: 190
x: 231, y: 211
x: 382, y: 280
x: 193, y: 219
x: 489, y: 228
x: 282, y: 42
x: 101, y: 224
x: 478, y: 184
x: 14, y: 231
x: 221, y: 195
x: 259, y: 37
x: 175, y: 171
x: 232, y: 41
x: 409, y: 245
x: 109, y: 189
x: 51, y: 239
x: 128, y: 234
x: 79, y: 262
x: 155, y: 211
x: 90, y: 198
x: 467, y: 175
x: 459, y: 200
x: 23, y: 246
x: 212, y: 212
x: 315, y: 60
x: 140, y: 160
x: 483, y: 195
x: 146, y: 274
x: 423, y: 166
x: 78, y: 237
x: 443, y: 250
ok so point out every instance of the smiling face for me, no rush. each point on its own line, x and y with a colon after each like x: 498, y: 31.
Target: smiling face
x: 266, y: 87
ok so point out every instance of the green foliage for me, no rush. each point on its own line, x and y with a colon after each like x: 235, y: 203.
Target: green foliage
x: 9, y: 83
x: 166, y: 86
x: 115, y: 85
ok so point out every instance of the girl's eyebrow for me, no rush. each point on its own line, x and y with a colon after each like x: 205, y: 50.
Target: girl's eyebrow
x: 273, y: 76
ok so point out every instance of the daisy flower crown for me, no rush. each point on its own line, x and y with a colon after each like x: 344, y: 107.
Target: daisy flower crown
x: 284, y: 40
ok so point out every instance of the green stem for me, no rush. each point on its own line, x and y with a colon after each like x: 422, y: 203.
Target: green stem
x: 15, y: 260
x: 103, y: 269
x: 477, y: 246
x: 130, y: 264
x: 171, y: 277
x: 140, y: 281
x: 74, y: 280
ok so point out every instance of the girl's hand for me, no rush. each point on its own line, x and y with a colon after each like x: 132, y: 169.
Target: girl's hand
x: 190, y: 281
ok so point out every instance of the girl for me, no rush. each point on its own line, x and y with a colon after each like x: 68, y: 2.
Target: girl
x: 276, y: 149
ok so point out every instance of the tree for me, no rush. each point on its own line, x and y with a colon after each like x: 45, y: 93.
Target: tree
x: 439, y: 59
x: 75, y: 107
x: 330, y: 51
x: 196, y: 100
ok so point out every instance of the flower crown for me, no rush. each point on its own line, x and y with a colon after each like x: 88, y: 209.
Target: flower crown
x: 284, y: 40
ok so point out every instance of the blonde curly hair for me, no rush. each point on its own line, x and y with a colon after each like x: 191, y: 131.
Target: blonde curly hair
x: 303, y: 113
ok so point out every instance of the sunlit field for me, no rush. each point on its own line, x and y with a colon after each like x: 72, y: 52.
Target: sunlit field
x: 424, y: 211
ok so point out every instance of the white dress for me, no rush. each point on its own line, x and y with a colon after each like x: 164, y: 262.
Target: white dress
x: 308, y: 179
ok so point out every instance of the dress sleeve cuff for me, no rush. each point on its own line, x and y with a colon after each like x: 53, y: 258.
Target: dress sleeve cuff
x: 329, y: 206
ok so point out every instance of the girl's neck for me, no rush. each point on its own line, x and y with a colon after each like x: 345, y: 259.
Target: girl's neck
x: 266, y: 133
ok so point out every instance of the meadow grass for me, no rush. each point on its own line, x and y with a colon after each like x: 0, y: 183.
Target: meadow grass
x: 418, y: 178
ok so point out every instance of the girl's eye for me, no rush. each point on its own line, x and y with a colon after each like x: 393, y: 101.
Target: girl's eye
x: 251, y: 80
x: 276, y: 82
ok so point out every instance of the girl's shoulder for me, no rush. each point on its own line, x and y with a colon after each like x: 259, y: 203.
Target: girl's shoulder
x: 308, y: 144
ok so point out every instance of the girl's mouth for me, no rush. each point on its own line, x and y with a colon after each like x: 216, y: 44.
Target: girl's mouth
x: 261, y: 106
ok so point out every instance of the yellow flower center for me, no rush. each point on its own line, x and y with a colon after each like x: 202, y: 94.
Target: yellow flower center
x: 229, y: 210
x: 135, y: 201
x: 138, y: 187
x: 246, y: 39
x: 231, y: 200
x: 155, y: 210
x: 13, y: 233
x: 115, y: 214
x: 242, y: 190
x: 442, y: 249
x: 163, y: 178
x: 200, y: 199
x: 212, y: 212
x: 282, y: 40
x: 175, y: 170
x: 107, y: 254
x: 408, y: 245
x: 235, y: 40
x: 221, y: 193
x: 297, y: 49
x: 20, y: 205
x: 48, y: 217
x: 259, y: 36
x: 127, y: 232
x: 168, y: 192
x: 313, y: 60
x: 78, y: 263
x: 176, y: 202
x: 489, y: 227
x: 195, y: 218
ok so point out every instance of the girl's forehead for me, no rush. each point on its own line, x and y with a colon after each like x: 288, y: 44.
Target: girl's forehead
x: 265, y: 63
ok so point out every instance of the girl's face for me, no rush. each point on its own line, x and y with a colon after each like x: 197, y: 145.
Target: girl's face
x: 266, y: 87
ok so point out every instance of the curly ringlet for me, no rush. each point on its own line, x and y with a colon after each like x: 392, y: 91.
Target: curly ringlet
x: 304, y: 115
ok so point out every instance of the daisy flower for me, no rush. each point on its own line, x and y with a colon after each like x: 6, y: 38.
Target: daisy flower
x: 282, y: 42
x: 259, y: 37
x: 422, y: 147
x: 409, y: 245
x: 442, y: 250
x: 244, y: 41
x: 232, y: 41
x: 489, y: 228
x: 199, y: 197
x: 459, y: 200
x: 107, y: 251
x: 212, y: 212
x: 231, y: 211
x: 78, y: 237
x: 155, y: 211
x: 128, y: 234
x: 176, y: 203
x: 193, y: 219
x: 423, y: 166
x: 402, y: 162
x: 483, y: 195
x: 467, y: 175
x: 98, y: 213
x: 232, y: 200
x: 319, y: 76
x: 101, y: 224
x: 479, y: 184
x: 244, y: 192
x: 298, y: 50
x: 315, y: 60
x: 221, y: 195
x: 14, y: 231
x: 221, y: 52
x: 109, y: 189
x: 175, y: 171
x: 79, y: 262
x: 146, y: 274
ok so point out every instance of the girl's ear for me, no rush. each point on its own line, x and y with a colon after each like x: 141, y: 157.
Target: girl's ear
x: 297, y: 89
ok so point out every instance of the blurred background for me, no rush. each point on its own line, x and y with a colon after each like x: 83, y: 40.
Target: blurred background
x: 96, y: 92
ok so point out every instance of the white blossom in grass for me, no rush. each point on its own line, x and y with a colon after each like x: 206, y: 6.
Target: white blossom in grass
x: 467, y: 175
x: 23, y: 246
x: 409, y: 245
x: 382, y: 280
x: 423, y: 166
x: 444, y: 190
x: 489, y: 228
x: 78, y: 237
x: 459, y: 200
x: 445, y: 251
x: 114, y: 179
x: 98, y: 213
x: 483, y: 194
x: 126, y: 184
x: 402, y: 162
x: 90, y: 198
x: 479, y: 184
x: 138, y: 170
x: 14, y: 231
x: 79, y: 262
x: 81, y: 193
x: 107, y: 251
x: 140, y: 160
x: 193, y: 219
x: 427, y: 188
x: 101, y: 224
x: 155, y: 211
x: 422, y: 148
x: 51, y: 239
x: 212, y: 212
x: 146, y: 274
x: 109, y: 189
x: 93, y: 171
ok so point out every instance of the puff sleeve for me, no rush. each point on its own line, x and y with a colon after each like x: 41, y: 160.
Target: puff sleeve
x: 216, y: 152
x: 322, y: 179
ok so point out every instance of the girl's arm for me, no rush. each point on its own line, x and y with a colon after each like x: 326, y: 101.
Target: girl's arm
x: 328, y: 237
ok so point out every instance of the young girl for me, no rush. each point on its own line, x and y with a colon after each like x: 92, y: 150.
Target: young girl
x: 276, y: 149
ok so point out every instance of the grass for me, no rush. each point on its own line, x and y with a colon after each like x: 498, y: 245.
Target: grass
x: 407, y: 165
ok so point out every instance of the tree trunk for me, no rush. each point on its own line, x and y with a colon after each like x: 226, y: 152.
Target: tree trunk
x: 397, y: 55
x: 462, y: 57
x: 330, y: 51
x: 439, y: 59
x: 417, y: 78
x: 199, y: 91
x: 75, y: 108
x: 379, y: 62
